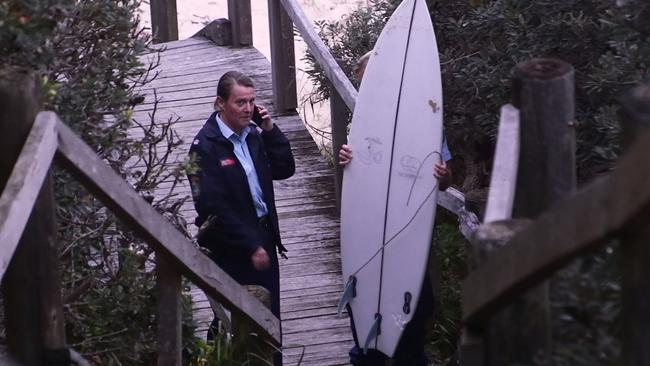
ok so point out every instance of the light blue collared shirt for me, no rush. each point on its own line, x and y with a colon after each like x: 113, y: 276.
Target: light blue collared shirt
x: 243, y: 155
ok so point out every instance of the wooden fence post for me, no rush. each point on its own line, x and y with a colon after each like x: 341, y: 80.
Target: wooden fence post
x: 34, y: 320
x: 169, y: 315
x: 245, y: 343
x: 239, y: 14
x: 496, y: 348
x: 283, y: 59
x: 164, y: 20
x: 339, y: 116
x: 544, y: 92
x: 635, y: 251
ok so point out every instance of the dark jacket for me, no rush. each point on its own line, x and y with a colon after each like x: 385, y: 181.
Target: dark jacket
x: 220, y: 188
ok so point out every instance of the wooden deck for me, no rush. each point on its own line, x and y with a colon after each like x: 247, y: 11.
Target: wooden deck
x: 311, y: 278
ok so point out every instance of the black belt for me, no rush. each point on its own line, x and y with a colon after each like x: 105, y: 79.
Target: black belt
x: 264, y: 222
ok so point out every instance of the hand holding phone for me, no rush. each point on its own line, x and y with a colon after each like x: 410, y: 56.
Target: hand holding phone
x: 257, y: 117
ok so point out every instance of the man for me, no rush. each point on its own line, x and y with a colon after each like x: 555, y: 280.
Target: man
x: 410, y: 350
x: 233, y: 188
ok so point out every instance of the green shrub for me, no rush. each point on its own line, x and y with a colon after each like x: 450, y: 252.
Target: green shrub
x: 87, y: 54
x: 480, y: 41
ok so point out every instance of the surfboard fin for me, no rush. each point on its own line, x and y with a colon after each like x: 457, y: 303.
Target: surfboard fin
x: 375, y: 331
x: 349, y: 293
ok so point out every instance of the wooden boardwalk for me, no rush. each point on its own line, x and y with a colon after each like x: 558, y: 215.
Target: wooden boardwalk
x: 311, y: 278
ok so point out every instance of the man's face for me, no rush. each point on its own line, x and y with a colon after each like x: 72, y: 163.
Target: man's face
x: 236, y: 112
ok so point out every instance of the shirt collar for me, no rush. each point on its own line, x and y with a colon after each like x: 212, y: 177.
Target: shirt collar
x: 228, y: 132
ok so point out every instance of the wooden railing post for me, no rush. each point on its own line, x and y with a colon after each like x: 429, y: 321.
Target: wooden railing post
x: 544, y: 93
x: 239, y: 14
x: 31, y: 287
x: 164, y: 20
x: 339, y: 116
x: 489, y: 343
x: 169, y: 315
x: 635, y: 250
x: 283, y: 58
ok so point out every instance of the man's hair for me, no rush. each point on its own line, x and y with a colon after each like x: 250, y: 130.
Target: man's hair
x: 229, y: 80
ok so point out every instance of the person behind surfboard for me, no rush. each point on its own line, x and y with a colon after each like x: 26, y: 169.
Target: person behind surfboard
x: 410, y: 350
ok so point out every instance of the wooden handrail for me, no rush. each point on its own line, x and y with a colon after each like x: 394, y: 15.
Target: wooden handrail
x: 24, y: 184
x: 81, y: 161
x: 331, y: 68
x: 48, y: 138
x: 567, y: 230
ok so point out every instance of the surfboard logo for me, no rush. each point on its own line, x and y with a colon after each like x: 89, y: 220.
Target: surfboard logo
x: 373, y: 152
x: 410, y: 166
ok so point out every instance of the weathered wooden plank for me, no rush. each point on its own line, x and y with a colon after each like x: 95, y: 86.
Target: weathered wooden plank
x: 579, y: 224
x: 312, y: 252
x: 320, y: 352
x: 329, y: 354
x: 310, y: 281
x: 311, y: 301
x: 116, y: 193
x: 297, y: 270
x: 180, y: 44
x: 306, y: 212
x: 310, y: 324
x: 504, y: 169
x: 293, y: 204
x: 297, y: 238
x: 290, y: 294
x: 316, y: 351
x: 317, y: 336
x: 24, y: 184
x: 309, y: 232
x: 207, y: 63
x: 163, y: 52
x: 320, y: 51
x: 310, y: 313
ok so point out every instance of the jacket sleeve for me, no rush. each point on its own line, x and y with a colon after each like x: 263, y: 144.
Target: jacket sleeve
x: 210, y: 198
x: 279, y: 153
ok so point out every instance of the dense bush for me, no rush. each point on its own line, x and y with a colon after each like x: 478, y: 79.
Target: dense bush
x: 605, y: 40
x: 87, y: 54
x: 480, y: 41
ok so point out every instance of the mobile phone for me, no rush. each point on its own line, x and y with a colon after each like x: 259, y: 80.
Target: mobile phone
x: 257, y: 117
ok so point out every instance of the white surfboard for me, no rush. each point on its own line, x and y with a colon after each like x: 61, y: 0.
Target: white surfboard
x: 389, y: 191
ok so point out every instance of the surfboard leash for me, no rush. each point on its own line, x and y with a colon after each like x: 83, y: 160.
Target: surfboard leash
x: 398, y: 232
x: 418, y: 172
